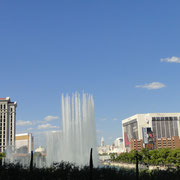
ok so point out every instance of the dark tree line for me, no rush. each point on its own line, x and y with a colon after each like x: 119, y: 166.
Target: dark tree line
x: 67, y: 171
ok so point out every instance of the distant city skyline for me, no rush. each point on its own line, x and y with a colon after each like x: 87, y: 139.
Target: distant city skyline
x: 125, y: 53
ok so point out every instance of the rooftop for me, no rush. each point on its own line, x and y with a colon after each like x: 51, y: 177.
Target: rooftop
x: 9, y: 101
x: 23, y: 134
x: 7, y: 98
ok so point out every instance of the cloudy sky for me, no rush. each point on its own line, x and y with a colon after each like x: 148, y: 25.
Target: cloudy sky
x: 124, y: 52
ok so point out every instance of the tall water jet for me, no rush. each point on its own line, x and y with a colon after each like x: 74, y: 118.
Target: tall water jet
x: 78, y: 135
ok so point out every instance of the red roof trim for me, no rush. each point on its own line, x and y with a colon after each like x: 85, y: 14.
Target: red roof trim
x: 2, y: 98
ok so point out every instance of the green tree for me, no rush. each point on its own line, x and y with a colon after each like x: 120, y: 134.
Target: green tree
x: 145, y: 156
x: 2, y: 155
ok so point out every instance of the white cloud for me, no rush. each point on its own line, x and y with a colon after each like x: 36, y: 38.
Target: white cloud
x: 50, y: 118
x: 47, y: 126
x: 23, y: 123
x: 38, y: 122
x: 153, y: 85
x: 172, y: 59
x: 115, y: 119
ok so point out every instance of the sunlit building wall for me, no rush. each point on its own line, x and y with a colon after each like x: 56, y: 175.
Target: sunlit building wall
x: 25, y: 140
x: 7, y: 123
x: 163, y: 125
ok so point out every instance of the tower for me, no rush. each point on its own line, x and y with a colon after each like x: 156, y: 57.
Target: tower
x: 7, y: 123
x: 102, y: 142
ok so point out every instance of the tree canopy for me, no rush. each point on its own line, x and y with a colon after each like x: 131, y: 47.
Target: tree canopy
x: 163, y: 156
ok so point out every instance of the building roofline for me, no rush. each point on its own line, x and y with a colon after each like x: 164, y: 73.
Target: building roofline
x: 150, y: 114
x: 5, y: 99
x: 156, y: 113
x: 22, y: 134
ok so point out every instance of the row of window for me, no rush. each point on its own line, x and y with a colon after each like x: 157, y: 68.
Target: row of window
x: 164, y: 118
x: 165, y: 126
x: 3, y: 135
x: 4, y: 132
x: 2, y: 106
x: 1, y: 117
x: 4, y: 138
x: 5, y: 122
x: 4, y: 113
x: 1, y: 132
x: 2, y: 144
x: 2, y: 121
x: 3, y: 128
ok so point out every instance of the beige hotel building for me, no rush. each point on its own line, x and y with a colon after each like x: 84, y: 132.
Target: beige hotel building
x: 7, y: 123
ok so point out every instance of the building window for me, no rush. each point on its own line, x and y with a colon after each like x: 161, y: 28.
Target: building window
x: 165, y: 126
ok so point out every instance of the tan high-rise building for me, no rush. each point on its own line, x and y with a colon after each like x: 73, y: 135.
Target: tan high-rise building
x: 7, y: 123
x: 25, y: 141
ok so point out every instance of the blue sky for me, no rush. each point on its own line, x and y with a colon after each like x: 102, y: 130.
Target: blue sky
x: 126, y: 53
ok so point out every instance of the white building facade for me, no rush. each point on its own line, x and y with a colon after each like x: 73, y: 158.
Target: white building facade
x: 118, y: 142
x: 118, y: 145
x: 162, y: 125
x: 7, y: 123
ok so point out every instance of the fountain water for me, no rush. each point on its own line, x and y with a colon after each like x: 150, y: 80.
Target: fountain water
x: 78, y: 135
